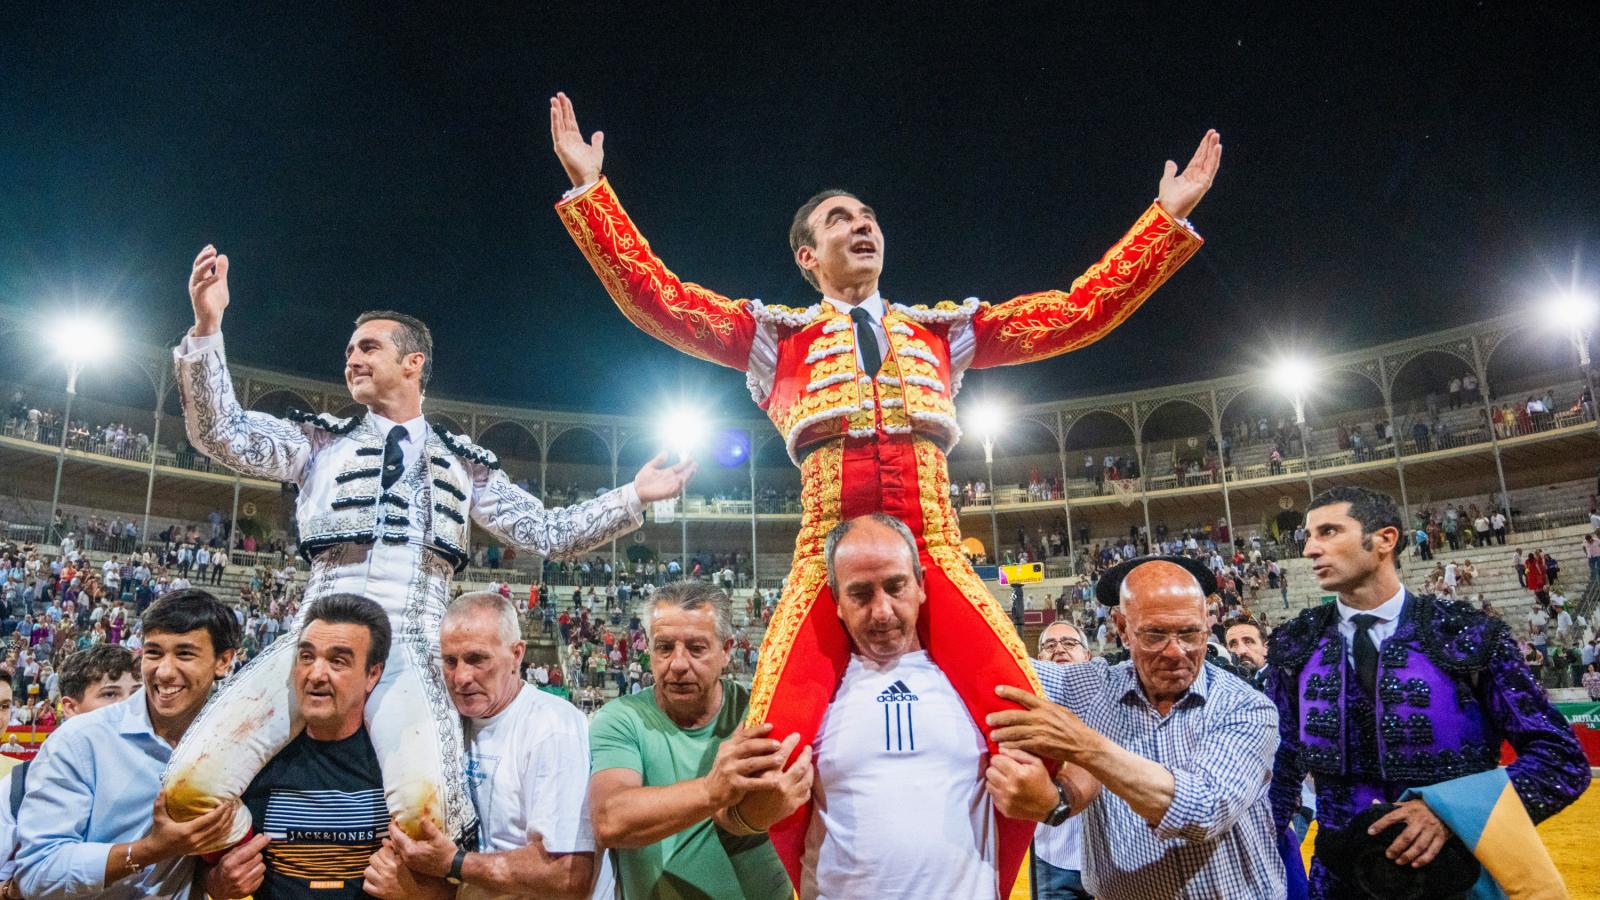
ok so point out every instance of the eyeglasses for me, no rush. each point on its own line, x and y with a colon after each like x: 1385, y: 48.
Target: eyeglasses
x: 1060, y: 644
x: 1156, y: 641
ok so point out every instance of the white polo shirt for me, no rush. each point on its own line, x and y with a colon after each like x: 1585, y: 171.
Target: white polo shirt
x: 528, y: 768
x: 900, y: 809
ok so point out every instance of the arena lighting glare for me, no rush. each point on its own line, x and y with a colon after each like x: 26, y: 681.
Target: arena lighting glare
x: 682, y: 430
x: 987, y: 420
x: 87, y: 339
x: 1571, y: 309
x: 1292, y: 374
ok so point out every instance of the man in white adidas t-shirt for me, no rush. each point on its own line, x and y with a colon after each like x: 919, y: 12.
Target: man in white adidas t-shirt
x: 527, y: 759
x: 900, y: 805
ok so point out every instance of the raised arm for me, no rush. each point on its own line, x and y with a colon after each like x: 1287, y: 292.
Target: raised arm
x: 519, y: 518
x: 251, y: 443
x: 682, y: 314
x: 1049, y: 323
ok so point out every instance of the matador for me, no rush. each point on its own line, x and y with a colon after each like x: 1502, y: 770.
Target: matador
x: 862, y: 391
x: 384, y: 505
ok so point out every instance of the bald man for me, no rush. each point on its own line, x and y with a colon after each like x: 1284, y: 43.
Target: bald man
x: 1182, y: 749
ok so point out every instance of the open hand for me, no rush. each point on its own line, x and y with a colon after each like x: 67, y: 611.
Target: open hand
x: 1181, y: 193
x: 580, y: 158
x: 208, y: 290
x: 658, y: 481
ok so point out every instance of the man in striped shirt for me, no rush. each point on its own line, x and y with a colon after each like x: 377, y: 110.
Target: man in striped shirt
x: 1182, y: 749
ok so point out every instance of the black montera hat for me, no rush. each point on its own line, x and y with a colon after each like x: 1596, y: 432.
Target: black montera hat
x: 1109, y: 590
x: 1358, y: 860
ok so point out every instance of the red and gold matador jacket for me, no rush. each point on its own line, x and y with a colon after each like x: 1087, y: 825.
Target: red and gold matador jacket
x: 874, y: 444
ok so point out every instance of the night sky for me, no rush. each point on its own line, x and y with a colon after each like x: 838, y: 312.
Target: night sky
x: 1384, y: 173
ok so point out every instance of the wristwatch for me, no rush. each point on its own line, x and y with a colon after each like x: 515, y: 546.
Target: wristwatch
x: 1063, y: 810
x: 454, y: 875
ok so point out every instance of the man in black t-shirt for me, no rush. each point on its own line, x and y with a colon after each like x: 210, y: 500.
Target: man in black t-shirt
x: 319, y: 803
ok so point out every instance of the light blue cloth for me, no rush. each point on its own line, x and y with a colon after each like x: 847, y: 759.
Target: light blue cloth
x: 94, y: 784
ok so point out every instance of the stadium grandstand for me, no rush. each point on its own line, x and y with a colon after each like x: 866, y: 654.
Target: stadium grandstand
x: 1491, y: 416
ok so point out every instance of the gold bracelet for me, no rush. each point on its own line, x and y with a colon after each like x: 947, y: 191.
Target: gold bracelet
x: 738, y: 819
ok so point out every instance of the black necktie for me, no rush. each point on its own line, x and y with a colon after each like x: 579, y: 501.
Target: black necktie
x: 1366, y: 652
x: 871, y: 355
x: 393, y: 459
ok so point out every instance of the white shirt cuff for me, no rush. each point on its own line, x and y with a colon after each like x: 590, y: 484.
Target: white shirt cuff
x: 190, y: 345
x: 578, y: 190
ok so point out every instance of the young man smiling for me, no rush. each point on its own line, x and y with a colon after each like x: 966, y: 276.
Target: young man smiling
x: 86, y: 825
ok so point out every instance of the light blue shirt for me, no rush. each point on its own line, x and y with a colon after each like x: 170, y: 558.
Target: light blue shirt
x: 1218, y: 741
x: 93, y: 785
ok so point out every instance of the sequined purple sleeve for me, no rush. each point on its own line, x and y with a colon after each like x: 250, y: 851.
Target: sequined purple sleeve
x: 1550, y: 770
x: 1287, y: 773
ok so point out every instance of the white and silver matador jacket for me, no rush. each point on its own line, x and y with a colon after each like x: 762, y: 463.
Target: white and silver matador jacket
x: 337, y: 465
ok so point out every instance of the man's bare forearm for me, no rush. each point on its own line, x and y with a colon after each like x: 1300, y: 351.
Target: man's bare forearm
x: 641, y: 816
x: 530, y: 870
x: 1146, y: 786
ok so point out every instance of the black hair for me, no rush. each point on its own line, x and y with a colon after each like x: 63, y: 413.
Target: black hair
x: 1375, y: 510
x: 354, y: 609
x: 88, y: 666
x: 190, y: 609
x: 410, y: 336
x: 800, y: 231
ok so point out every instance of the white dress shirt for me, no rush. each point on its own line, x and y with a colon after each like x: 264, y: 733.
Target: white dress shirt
x: 1388, y: 614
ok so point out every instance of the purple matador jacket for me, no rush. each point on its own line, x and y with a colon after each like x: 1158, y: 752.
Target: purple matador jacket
x: 1451, y: 686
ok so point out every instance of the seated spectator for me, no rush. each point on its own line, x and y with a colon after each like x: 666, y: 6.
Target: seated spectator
x: 527, y: 762
x: 1185, y: 812
x: 336, y: 848
x: 671, y: 761
x: 95, y: 823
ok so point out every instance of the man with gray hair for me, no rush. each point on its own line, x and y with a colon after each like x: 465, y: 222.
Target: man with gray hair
x: 677, y: 779
x: 527, y: 754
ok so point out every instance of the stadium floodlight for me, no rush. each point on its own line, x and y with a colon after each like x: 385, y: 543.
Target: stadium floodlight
x: 1292, y: 374
x: 987, y: 420
x: 87, y: 337
x: 1571, y: 309
x: 682, y: 430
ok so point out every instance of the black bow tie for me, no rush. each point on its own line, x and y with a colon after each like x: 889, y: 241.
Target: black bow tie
x: 393, y: 458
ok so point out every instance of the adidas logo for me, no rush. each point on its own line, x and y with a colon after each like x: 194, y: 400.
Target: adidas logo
x: 897, y: 693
